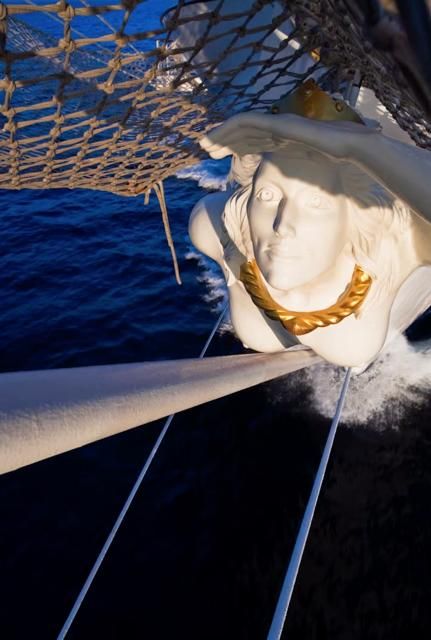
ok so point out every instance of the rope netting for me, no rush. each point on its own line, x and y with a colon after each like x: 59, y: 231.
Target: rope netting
x: 111, y: 97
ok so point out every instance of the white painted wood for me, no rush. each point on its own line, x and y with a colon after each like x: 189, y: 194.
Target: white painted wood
x: 44, y: 413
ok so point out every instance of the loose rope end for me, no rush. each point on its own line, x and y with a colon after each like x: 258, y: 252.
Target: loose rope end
x: 160, y: 193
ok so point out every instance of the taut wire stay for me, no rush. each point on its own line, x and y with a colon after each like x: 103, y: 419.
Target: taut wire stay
x: 109, y: 540
x: 282, y: 607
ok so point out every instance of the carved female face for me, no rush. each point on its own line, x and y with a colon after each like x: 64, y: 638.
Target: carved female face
x: 297, y: 218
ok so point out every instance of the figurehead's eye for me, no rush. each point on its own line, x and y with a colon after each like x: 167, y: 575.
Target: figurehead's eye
x: 318, y: 202
x: 267, y: 195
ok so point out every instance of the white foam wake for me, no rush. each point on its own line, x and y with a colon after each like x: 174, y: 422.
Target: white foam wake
x: 398, y: 379
x: 209, y: 174
x: 211, y: 276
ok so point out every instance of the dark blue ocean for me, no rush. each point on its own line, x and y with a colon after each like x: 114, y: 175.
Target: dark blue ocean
x: 87, y: 279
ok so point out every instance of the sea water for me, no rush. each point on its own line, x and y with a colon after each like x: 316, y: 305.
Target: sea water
x: 87, y: 279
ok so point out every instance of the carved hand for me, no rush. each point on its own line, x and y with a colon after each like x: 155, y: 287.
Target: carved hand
x: 255, y: 132
x: 403, y: 169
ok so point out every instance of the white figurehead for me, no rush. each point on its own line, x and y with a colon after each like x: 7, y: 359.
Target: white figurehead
x: 316, y: 246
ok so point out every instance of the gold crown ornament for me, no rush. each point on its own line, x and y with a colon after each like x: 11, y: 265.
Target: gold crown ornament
x: 310, y: 101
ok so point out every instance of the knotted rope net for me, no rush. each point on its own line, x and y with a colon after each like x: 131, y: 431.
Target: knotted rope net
x: 111, y: 97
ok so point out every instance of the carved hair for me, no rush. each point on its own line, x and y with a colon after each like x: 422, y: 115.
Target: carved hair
x: 377, y: 220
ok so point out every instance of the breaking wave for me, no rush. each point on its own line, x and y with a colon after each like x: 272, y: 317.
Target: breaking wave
x: 211, y: 277
x: 209, y: 174
x: 400, y: 378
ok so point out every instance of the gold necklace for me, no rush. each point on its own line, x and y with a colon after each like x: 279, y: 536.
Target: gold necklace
x: 302, y: 322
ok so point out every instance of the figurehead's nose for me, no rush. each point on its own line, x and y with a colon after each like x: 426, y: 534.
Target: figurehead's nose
x: 284, y: 225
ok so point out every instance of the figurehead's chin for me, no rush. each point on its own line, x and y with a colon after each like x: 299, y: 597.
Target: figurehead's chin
x: 283, y: 279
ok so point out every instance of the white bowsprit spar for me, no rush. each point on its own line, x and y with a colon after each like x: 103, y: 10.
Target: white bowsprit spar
x: 45, y: 413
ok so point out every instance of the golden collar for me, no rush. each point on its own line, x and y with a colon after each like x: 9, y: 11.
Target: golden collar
x: 302, y: 322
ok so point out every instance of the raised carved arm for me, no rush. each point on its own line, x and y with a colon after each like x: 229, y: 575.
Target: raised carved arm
x: 403, y: 169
